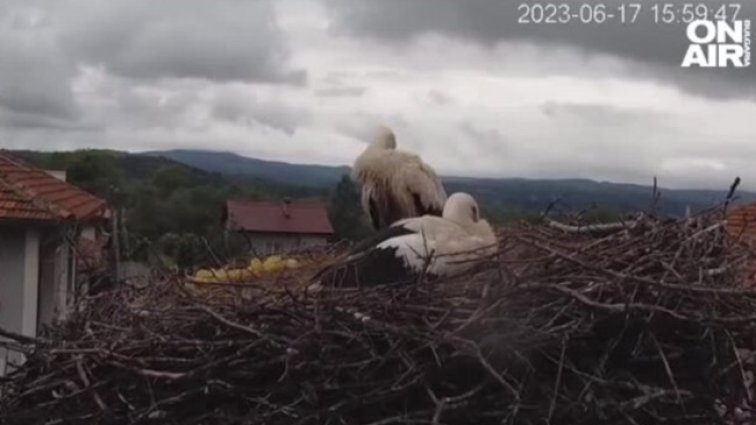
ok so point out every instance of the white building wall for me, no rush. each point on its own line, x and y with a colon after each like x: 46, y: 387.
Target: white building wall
x: 12, y: 267
x: 31, y: 283
x: 13, y: 286
x: 34, y: 276
x: 55, y: 285
x: 47, y: 278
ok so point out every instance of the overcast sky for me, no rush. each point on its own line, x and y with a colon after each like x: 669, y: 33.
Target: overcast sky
x: 460, y: 82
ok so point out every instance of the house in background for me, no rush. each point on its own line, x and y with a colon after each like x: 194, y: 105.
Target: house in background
x: 278, y: 227
x: 741, y: 226
x: 42, y: 220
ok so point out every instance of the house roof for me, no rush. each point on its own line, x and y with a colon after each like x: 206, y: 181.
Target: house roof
x: 741, y: 221
x: 278, y: 217
x: 741, y: 225
x: 30, y: 193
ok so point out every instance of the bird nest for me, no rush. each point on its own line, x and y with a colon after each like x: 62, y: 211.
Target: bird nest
x: 647, y: 324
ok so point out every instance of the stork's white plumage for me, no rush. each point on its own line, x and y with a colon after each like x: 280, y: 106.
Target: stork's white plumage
x: 396, y: 184
x: 435, y: 246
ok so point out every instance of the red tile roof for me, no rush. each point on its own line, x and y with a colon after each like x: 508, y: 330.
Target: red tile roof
x: 741, y: 225
x: 741, y: 222
x: 30, y: 193
x: 278, y: 217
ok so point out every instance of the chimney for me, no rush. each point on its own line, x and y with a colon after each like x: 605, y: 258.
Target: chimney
x: 286, y: 206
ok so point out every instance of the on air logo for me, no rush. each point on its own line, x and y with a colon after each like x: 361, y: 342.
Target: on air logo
x: 718, y: 44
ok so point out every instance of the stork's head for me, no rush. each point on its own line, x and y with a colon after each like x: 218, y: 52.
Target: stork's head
x: 384, y: 138
x: 462, y: 208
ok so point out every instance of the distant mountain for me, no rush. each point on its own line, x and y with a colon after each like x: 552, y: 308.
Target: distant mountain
x: 525, y: 195
x: 232, y: 164
x: 509, y: 195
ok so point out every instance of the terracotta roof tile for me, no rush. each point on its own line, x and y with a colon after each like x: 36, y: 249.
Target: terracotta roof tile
x: 30, y: 193
x: 741, y: 225
x: 278, y: 217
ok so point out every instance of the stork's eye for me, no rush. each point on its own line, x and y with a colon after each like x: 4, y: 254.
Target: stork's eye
x: 475, y: 213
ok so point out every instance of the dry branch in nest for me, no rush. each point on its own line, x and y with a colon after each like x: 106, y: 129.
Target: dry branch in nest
x: 645, y: 325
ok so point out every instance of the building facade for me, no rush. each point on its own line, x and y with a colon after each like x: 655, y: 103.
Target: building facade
x: 41, y: 221
x: 278, y: 227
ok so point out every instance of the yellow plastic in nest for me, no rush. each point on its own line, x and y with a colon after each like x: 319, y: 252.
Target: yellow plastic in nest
x: 273, y: 264
x: 220, y: 275
x: 234, y: 275
x: 270, y: 265
x: 203, y: 276
x: 256, y: 267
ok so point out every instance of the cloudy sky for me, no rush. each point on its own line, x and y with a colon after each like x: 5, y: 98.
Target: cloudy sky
x: 461, y: 82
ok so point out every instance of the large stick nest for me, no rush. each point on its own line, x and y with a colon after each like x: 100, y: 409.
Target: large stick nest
x: 649, y: 324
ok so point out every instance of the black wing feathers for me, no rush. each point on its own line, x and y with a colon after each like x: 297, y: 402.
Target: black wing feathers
x: 381, y: 236
x: 376, y: 267
x: 367, y: 265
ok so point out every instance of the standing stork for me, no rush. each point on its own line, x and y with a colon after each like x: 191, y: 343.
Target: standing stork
x: 396, y: 184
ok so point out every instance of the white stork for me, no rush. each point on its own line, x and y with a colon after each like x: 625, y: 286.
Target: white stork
x: 435, y: 246
x: 396, y: 184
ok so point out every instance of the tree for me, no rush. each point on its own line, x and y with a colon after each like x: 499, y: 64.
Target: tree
x: 168, y: 178
x: 94, y: 171
x: 346, y: 214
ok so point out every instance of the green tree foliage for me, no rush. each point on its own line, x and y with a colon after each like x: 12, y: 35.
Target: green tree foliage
x: 94, y: 171
x: 168, y: 178
x: 182, y: 218
x: 182, y: 250
x: 346, y: 214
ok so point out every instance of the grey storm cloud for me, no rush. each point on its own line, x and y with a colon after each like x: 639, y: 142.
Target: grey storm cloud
x: 130, y: 106
x: 653, y: 50
x: 44, y: 46
x: 246, y: 108
x: 34, y: 75
x: 223, y: 40
x: 341, y: 92
x: 602, y: 115
x: 490, y: 140
x: 437, y: 97
x: 21, y: 120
